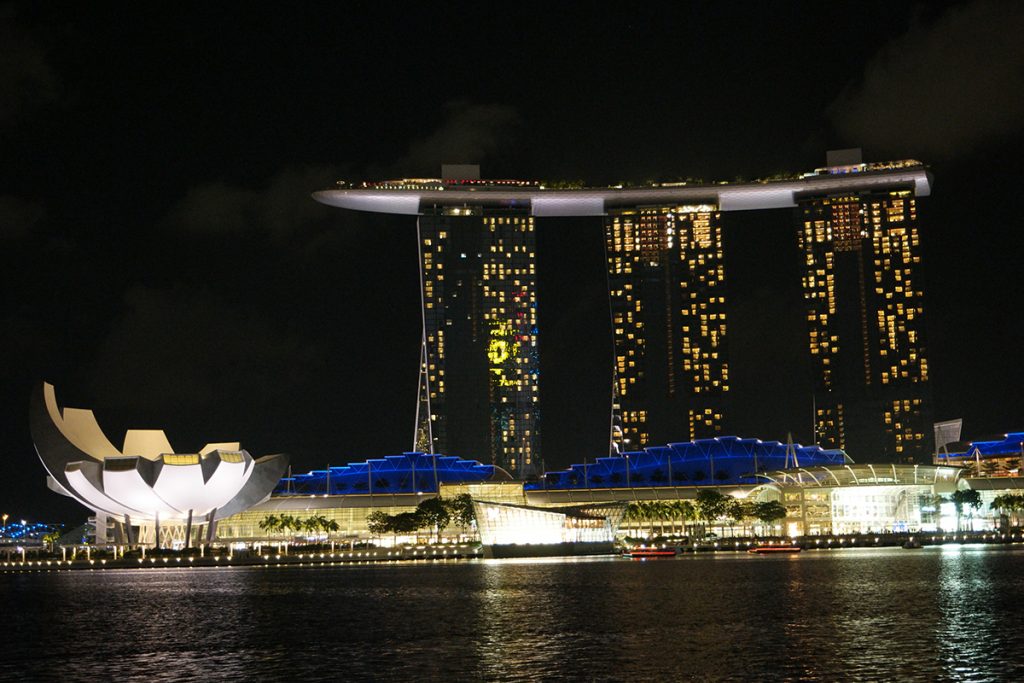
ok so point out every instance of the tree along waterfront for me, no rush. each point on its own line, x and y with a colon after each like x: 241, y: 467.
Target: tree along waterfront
x: 709, y: 509
x: 1009, y: 505
x: 435, y: 514
x: 964, y: 498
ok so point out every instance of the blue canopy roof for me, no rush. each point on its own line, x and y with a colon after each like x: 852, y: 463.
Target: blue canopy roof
x: 405, y: 473
x: 1009, y: 445
x: 721, y: 460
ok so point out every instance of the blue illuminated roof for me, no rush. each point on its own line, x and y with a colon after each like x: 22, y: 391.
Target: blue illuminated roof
x: 20, y: 532
x: 723, y: 460
x: 405, y: 473
x: 1010, y: 445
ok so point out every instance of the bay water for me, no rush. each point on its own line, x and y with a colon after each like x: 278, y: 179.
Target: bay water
x: 938, y: 613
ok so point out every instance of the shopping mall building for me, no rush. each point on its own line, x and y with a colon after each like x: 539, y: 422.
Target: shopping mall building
x: 823, y: 491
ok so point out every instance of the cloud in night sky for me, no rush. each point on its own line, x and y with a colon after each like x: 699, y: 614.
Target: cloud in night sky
x: 942, y: 89
x: 469, y: 134
x: 27, y: 80
x: 281, y: 210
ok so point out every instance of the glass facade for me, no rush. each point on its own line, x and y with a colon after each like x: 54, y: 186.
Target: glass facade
x: 480, y: 329
x: 865, y: 322
x: 666, y: 280
x: 350, y: 515
x: 504, y: 524
x: 860, y: 499
x: 876, y: 508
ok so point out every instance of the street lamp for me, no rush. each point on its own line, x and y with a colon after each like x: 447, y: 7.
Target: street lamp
x: 5, y: 516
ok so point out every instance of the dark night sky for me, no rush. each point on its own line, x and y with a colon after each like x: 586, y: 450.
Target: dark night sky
x: 163, y: 263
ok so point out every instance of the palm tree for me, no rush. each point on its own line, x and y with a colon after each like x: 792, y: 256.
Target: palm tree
x: 634, y: 512
x: 651, y: 515
x: 331, y: 526
x: 51, y: 538
x: 676, y: 509
x: 314, y: 525
x: 270, y: 523
x: 991, y: 468
x: 646, y: 511
x: 962, y: 497
x: 290, y: 523
x: 688, y: 512
x: 667, y: 515
x: 631, y: 513
x: 671, y: 512
x: 1017, y: 505
x: 1008, y: 503
x: 655, y: 513
x: 1001, y: 505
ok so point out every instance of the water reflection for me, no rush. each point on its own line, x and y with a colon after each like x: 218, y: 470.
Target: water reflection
x: 970, y: 616
x: 527, y: 617
x: 928, y: 614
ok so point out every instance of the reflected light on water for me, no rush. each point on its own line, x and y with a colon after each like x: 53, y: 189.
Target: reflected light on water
x: 871, y: 614
x: 968, y: 605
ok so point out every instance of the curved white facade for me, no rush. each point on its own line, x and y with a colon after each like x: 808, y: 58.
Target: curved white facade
x: 775, y: 194
x: 145, y: 479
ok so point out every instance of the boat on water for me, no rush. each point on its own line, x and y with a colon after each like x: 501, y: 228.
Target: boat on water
x: 773, y: 549
x: 641, y: 551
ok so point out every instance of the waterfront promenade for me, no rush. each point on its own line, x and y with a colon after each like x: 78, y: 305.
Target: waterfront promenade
x: 307, y: 557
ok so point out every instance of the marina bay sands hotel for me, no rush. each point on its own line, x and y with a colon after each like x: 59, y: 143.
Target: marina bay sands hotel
x: 858, y: 233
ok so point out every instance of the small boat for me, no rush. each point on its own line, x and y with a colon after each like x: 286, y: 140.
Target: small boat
x: 772, y: 549
x: 912, y: 544
x: 641, y: 551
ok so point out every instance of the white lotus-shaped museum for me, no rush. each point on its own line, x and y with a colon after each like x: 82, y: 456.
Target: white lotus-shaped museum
x: 145, y: 479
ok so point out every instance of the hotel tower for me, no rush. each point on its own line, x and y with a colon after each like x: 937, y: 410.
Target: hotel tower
x: 861, y: 258
x: 666, y: 288
x: 479, y: 364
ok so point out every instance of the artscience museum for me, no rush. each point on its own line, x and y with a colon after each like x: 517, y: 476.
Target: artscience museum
x: 144, y: 492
